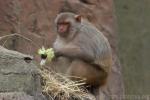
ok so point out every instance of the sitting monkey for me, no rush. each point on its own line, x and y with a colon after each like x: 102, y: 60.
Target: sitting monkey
x: 87, y: 49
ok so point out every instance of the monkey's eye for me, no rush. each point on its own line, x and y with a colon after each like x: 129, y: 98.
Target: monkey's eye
x: 86, y: 2
x: 64, y: 23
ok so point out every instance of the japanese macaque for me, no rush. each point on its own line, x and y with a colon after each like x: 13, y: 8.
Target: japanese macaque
x: 85, y: 46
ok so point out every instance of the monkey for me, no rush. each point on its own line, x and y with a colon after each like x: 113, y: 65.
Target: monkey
x: 85, y: 46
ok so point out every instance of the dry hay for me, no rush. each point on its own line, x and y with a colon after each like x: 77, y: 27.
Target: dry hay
x: 60, y: 87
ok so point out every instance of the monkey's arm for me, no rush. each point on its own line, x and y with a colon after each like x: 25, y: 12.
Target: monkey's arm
x: 74, y: 52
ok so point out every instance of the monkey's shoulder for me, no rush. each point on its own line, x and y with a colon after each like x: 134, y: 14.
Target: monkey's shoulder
x: 88, y: 29
x: 90, y: 34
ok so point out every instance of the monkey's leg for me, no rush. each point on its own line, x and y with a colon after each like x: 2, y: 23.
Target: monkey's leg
x: 92, y: 74
x: 60, y: 64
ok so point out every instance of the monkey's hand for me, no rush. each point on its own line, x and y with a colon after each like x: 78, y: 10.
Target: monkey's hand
x: 57, y: 53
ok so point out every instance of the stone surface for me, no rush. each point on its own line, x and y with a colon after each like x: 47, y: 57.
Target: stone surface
x: 18, y: 75
x: 15, y: 96
x: 34, y: 19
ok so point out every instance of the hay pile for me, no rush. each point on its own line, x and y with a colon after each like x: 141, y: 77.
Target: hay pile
x: 59, y: 87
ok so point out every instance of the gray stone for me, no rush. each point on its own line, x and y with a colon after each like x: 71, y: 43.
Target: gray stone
x: 19, y: 73
x: 15, y: 96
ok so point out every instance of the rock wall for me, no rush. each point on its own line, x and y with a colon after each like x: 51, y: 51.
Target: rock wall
x: 34, y: 19
x: 134, y: 39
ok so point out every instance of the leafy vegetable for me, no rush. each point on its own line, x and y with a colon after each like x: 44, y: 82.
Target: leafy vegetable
x: 48, y: 53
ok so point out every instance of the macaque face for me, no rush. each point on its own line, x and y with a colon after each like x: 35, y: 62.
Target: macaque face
x: 67, y: 24
x: 63, y: 28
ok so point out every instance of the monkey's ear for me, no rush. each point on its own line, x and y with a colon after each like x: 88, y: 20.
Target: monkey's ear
x: 78, y: 18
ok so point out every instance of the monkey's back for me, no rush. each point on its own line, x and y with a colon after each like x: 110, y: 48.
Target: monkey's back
x: 91, y: 40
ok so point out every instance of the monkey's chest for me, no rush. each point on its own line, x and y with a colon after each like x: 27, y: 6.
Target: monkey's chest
x: 59, y: 44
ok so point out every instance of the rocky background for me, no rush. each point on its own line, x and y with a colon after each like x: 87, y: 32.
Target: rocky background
x: 134, y: 45
x: 34, y: 20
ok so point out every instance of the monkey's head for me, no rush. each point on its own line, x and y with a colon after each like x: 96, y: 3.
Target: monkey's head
x: 67, y: 24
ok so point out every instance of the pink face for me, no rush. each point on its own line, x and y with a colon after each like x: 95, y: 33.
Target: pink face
x: 63, y: 28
